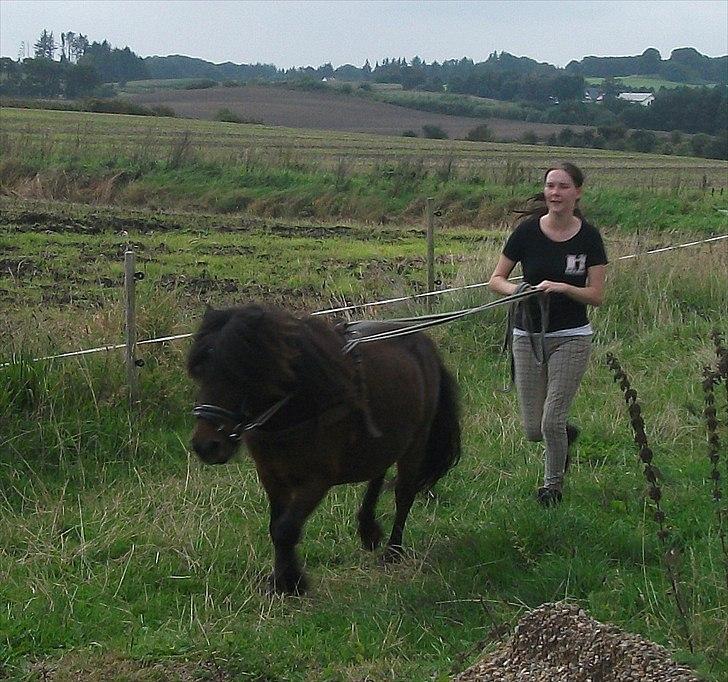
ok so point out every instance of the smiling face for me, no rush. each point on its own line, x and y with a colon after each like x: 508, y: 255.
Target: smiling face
x: 560, y: 192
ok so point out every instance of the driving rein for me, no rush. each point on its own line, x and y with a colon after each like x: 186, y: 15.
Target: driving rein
x: 365, y: 331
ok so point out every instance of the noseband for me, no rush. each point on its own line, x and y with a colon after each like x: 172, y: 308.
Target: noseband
x: 215, y: 415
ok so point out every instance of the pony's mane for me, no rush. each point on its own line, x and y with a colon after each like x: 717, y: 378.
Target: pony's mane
x: 269, y: 347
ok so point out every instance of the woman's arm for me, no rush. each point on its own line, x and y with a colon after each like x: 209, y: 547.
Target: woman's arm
x: 591, y: 294
x: 498, y: 282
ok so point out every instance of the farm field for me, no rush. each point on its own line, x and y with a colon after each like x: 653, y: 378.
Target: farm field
x: 123, y: 557
x: 173, y: 164
x: 327, y: 110
x: 645, y: 82
x: 84, y: 135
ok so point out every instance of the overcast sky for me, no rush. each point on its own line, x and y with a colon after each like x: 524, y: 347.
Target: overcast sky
x: 296, y: 33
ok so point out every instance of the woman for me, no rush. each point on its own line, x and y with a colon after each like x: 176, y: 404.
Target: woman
x: 562, y: 255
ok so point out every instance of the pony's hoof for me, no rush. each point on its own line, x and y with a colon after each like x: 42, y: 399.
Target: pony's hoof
x: 371, y: 537
x: 393, y: 554
x: 291, y: 585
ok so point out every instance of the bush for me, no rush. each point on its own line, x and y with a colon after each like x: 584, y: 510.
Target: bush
x: 164, y: 110
x: 481, y: 133
x: 201, y: 84
x: 529, y: 137
x: 115, y: 106
x: 409, y: 133
x: 228, y: 116
x: 433, y: 132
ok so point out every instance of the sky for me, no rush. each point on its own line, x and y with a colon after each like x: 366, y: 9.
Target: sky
x: 312, y: 32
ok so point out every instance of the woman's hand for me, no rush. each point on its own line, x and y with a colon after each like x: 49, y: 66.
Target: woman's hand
x: 591, y: 294
x: 553, y: 287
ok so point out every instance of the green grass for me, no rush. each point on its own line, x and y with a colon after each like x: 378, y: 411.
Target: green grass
x: 123, y: 557
x: 271, y: 172
x: 646, y: 82
x: 151, y: 85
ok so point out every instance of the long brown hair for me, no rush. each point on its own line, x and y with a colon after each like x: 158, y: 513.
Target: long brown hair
x: 537, y: 202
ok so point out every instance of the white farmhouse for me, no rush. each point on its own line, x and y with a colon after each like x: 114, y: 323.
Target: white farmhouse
x: 643, y: 98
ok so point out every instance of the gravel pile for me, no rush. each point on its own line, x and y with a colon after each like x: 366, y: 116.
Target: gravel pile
x: 561, y: 643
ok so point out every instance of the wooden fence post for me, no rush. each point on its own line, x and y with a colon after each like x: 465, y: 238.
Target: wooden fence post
x: 130, y: 326
x: 429, y: 205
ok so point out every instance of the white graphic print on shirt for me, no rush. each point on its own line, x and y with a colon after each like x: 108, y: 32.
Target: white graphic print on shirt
x: 575, y: 264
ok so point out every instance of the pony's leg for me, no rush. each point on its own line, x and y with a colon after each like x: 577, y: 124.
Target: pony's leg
x: 404, y: 495
x: 286, y: 532
x: 370, y: 531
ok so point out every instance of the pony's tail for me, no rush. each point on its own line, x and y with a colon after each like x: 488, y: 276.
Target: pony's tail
x: 443, y: 444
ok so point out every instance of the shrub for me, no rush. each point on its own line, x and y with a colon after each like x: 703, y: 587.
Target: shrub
x: 164, y: 110
x: 481, y: 133
x: 201, y: 84
x: 529, y: 137
x: 409, y: 133
x: 433, y: 132
x: 228, y: 116
x: 115, y: 106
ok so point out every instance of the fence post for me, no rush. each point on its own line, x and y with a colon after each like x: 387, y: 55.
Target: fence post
x: 429, y: 204
x: 130, y: 326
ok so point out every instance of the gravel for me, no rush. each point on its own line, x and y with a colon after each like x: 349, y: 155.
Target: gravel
x: 559, y: 642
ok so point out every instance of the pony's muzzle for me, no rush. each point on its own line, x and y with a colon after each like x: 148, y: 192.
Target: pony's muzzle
x: 211, y: 450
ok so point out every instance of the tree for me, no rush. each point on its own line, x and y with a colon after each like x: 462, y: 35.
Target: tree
x: 79, y: 45
x: 45, y: 47
x: 81, y: 80
x: 43, y: 77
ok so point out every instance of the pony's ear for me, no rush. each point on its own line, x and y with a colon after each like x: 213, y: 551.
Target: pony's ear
x: 208, y: 310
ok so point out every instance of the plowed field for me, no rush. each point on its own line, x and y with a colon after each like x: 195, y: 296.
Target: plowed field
x: 329, y: 111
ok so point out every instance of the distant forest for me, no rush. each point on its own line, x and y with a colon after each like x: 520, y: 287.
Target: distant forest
x: 77, y: 68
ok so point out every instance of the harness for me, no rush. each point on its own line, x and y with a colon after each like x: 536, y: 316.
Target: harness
x: 366, y: 331
x: 539, y: 351
x: 213, y: 414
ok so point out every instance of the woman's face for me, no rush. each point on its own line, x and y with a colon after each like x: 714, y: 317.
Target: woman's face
x: 560, y: 192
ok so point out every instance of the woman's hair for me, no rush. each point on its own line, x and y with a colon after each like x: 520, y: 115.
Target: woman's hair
x: 537, y: 202
x: 574, y: 172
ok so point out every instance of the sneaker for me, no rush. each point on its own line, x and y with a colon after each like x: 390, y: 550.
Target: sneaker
x: 548, y: 497
x: 572, y: 433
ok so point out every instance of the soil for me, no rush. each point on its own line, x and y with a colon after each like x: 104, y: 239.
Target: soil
x: 329, y: 111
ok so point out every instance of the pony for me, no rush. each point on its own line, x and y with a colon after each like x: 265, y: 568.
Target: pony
x: 313, y: 415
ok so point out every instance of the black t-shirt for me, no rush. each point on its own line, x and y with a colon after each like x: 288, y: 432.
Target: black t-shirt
x: 542, y: 258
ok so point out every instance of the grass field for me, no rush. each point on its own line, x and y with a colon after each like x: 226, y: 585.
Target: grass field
x: 170, y: 164
x: 645, y: 82
x: 121, y: 557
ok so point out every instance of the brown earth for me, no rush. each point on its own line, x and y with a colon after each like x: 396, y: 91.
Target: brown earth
x: 329, y: 111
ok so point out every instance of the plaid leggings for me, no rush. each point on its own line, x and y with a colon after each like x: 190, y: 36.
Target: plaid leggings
x: 545, y: 393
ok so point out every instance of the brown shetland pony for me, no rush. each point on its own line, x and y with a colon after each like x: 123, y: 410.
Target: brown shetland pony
x: 313, y: 417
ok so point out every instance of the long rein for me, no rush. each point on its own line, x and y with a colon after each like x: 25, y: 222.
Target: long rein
x: 396, y: 327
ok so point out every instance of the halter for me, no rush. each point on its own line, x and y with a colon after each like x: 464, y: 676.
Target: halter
x: 215, y: 414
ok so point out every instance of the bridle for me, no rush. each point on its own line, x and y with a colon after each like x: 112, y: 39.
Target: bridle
x: 216, y: 415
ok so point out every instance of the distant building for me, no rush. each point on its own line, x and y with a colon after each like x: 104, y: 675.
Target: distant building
x: 593, y: 95
x: 643, y: 98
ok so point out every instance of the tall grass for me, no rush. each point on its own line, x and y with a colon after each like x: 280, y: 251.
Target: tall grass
x: 122, y: 555
x: 172, y: 172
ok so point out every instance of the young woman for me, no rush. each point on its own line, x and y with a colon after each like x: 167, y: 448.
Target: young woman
x: 562, y: 255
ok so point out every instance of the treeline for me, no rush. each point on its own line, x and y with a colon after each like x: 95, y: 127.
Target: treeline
x: 685, y: 65
x: 81, y: 71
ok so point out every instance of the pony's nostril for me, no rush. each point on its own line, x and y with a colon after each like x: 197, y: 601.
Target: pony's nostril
x: 207, y: 448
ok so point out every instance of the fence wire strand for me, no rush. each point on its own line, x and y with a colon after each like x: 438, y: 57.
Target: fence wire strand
x: 359, y: 306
